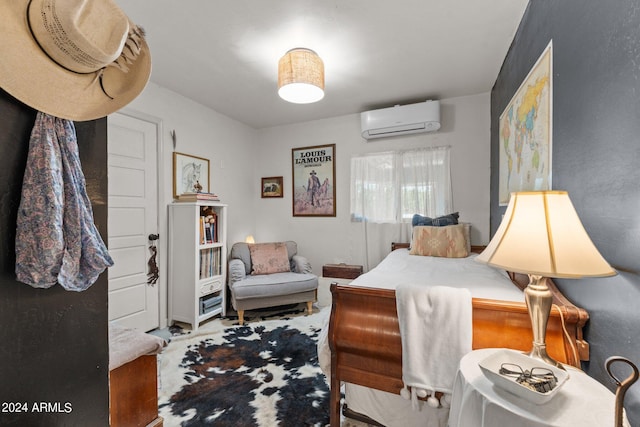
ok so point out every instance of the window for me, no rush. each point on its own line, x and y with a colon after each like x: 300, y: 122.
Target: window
x: 391, y: 187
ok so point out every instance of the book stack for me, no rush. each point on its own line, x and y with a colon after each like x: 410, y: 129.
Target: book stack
x: 210, y: 303
x: 194, y: 197
x: 210, y: 262
x: 208, y: 229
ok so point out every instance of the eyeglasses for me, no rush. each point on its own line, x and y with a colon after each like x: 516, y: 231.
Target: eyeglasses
x: 537, y: 379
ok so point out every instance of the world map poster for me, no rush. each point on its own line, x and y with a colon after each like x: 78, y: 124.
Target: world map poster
x: 525, y: 133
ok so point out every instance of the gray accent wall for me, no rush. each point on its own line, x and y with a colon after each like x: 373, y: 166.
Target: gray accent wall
x: 596, y: 155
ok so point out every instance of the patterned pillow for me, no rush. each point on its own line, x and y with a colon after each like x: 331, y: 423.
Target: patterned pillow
x: 269, y: 258
x: 450, y: 241
x: 440, y: 221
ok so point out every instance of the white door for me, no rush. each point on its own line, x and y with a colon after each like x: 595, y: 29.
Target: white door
x: 133, y: 217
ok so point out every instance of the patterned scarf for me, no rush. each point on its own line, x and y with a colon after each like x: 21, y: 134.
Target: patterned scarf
x: 56, y: 239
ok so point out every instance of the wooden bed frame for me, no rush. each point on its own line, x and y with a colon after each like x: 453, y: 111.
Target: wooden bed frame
x: 364, y: 335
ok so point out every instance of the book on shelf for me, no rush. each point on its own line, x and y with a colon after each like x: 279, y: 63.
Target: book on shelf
x: 208, y: 237
x: 210, y: 262
x: 208, y: 226
x: 208, y: 232
x: 194, y: 197
x: 214, y: 228
x: 202, y: 235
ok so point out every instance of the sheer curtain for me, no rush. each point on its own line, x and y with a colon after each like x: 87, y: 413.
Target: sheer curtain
x: 387, y: 189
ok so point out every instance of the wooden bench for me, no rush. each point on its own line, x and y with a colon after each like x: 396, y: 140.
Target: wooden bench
x: 133, y: 378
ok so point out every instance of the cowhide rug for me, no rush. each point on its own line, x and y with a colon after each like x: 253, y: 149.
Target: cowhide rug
x: 264, y: 373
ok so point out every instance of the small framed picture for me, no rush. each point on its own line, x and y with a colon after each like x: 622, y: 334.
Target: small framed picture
x: 190, y: 174
x: 271, y: 187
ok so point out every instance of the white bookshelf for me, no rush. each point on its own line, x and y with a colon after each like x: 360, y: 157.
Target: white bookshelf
x: 197, y: 268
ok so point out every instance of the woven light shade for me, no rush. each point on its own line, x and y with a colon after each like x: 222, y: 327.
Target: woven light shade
x: 301, y: 76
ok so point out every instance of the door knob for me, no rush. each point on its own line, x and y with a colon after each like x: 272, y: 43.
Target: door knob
x: 153, y: 237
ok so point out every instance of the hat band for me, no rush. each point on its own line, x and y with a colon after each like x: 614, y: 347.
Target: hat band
x: 40, y: 46
x: 130, y: 52
x: 99, y: 72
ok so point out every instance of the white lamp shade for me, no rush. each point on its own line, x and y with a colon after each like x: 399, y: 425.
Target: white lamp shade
x: 301, y: 93
x: 542, y: 234
x: 301, y: 76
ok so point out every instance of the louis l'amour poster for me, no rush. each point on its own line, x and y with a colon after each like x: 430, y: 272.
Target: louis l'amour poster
x: 314, y: 172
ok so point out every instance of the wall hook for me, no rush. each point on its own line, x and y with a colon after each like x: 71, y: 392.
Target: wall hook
x: 173, y: 137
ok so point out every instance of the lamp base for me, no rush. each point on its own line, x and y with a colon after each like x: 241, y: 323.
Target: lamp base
x: 540, y: 352
x: 539, y: 299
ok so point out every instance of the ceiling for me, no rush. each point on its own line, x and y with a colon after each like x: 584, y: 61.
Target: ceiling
x: 377, y: 53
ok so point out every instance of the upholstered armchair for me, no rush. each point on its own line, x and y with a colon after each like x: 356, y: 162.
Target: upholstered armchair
x: 268, y: 275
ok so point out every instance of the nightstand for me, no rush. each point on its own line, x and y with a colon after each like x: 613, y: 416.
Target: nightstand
x: 476, y: 401
x: 340, y: 273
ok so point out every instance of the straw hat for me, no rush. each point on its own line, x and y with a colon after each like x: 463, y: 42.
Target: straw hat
x: 73, y: 59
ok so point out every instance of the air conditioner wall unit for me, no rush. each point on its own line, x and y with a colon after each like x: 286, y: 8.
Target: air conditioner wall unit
x: 401, y: 120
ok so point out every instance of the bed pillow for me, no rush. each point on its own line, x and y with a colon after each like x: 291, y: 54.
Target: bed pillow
x: 451, y: 241
x: 269, y: 258
x: 467, y: 234
x: 440, y: 221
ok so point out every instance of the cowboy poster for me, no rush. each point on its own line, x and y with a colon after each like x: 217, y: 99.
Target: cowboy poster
x: 314, y: 171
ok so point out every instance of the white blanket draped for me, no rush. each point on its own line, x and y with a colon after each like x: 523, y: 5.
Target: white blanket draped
x: 430, y: 360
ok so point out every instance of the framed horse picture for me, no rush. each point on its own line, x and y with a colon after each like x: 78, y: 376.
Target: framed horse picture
x: 314, y: 178
x: 190, y: 174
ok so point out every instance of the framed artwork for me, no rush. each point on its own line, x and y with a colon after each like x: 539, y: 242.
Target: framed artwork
x: 314, y: 177
x: 271, y: 187
x: 190, y: 174
x: 525, y: 131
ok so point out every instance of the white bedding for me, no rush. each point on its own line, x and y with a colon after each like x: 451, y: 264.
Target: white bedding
x: 482, y: 280
x: 398, y: 267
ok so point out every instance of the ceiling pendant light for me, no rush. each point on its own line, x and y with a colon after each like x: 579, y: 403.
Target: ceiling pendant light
x: 301, y: 76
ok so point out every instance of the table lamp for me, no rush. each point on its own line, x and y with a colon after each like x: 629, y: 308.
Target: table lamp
x: 541, y: 235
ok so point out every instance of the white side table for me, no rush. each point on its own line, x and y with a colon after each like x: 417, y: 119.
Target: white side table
x: 477, y: 402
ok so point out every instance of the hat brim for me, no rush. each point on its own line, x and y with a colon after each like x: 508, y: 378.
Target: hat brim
x: 29, y: 75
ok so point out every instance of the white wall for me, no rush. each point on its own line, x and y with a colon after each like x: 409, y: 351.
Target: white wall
x: 465, y: 127
x: 240, y: 156
x: 203, y: 132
